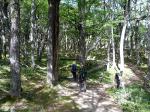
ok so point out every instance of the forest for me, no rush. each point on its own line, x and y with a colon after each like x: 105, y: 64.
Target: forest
x: 74, y: 55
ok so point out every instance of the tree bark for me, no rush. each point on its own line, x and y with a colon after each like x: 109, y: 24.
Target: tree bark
x: 108, y: 54
x: 1, y: 23
x: 41, y: 48
x: 53, y: 39
x: 122, y: 46
x: 6, y: 27
x: 112, y: 35
x: 32, y: 32
x: 137, y: 42
x: 81, y: 28
x: 148, y: 46
x: 14, y: 49
x: 126, y: 16
x: 131, y: 44
x: 113, y: 47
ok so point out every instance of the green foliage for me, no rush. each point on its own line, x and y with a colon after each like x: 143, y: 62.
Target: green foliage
x: 89, y: 64
x: 133, y: 98
x: 36, y: 96
x: 99, y: 54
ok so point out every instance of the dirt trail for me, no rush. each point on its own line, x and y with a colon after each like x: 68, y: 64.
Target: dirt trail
x: 95, y: 99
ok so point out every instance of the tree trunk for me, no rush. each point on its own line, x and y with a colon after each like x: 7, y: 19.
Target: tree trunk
x: 148, y: 46
x: 137, y: 42
x: 108, y: 54
x: 32, y: 32
x: 81, y: 28
x: 14, y: 49
x: 6, y: 27
x: 126, y: 17
x: 1, y: 23
x: 149, y: 60
x: 122, y: 46
x: 113, y: 47
x: 131, y: 44
x: 53, y: 38
x: 40, y: 49
x: 3, y: 19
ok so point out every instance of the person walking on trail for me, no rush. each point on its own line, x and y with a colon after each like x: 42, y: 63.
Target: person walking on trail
x: 118, y: 79
x: 74, y: 70
x: 82, y: 78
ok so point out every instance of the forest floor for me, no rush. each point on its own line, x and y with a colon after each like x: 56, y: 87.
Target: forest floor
x: 65, y: 97
x: 95, y: 99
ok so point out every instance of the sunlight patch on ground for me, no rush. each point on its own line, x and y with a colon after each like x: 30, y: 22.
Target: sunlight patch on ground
x: 5, y: 107
x: 93, y: 100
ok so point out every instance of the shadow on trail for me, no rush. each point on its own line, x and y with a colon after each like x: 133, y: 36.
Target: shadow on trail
x: 93, y: 100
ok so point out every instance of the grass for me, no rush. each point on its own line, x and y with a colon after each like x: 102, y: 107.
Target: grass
x: 36, y: 95
x: 133, y: 98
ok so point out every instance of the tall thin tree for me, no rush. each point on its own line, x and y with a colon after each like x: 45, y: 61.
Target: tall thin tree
x: 1, y: 23
x: 32, y: 32
x: 14, y: 49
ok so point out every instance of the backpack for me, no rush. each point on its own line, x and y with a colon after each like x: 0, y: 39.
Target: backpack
x: 74, y: 68
x: 82, y: 76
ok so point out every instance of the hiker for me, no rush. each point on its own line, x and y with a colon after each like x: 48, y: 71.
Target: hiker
x: 82, y: 78
x: 117, y: 79
x: 73, y: 71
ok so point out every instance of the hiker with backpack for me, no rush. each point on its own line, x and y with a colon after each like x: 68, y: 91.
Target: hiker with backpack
x: 73, y: 71
x: 82, y: 78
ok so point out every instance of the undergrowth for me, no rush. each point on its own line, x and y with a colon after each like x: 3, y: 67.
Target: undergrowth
x: 132, y: 99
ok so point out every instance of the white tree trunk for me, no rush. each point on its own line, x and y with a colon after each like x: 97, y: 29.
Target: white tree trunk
x: 122, y: 46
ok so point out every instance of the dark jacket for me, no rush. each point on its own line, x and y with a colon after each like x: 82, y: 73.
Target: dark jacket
x: 74, y: 68
x: 82, y: 75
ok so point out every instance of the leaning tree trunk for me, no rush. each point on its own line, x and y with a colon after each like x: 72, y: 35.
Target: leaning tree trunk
x: 122, y: 46
x: 14, y: 49
x: 53, y: 38
x: 32, y: 32
x: 126, y: 17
